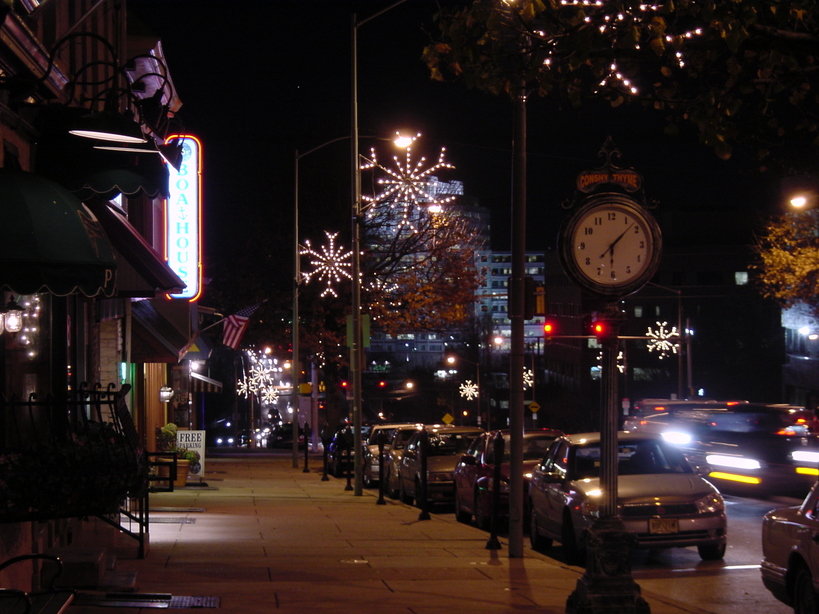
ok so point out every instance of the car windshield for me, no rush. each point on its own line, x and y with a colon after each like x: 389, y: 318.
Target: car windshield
x: 401, y: 438
x: 534, y: 447
x: 446, y: 444
x: 637, y: 457
x: 385, y: 434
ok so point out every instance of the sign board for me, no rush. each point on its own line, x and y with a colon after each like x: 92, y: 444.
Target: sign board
x: 534, y: 407
x: 183, y: 217
x: 448, y: 418
x: 193, y: 440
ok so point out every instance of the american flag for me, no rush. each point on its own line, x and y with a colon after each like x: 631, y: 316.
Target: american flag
x: 236, y: 325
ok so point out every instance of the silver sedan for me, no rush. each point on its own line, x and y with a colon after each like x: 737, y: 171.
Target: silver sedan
x: 661, y: 500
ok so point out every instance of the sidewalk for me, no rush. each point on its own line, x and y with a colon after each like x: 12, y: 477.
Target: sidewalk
x: 266, y: 537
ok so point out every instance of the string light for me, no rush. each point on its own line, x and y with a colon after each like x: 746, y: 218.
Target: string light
x: 611, y: 20
x: 331, y: 263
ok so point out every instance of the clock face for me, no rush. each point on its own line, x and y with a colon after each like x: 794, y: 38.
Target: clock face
x: 611, y: 245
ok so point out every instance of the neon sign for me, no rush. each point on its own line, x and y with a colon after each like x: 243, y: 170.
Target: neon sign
x: 183, y: 218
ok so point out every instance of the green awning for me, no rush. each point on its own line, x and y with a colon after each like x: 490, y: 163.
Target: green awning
x: 51, y: 242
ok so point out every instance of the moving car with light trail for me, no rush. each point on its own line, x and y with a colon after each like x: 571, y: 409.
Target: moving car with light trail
x: 752, y: 448
x: 661, y: 500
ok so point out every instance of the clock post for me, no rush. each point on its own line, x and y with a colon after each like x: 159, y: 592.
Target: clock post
x: 611, y: 247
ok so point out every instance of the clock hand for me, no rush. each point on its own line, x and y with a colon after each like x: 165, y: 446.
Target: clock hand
x: 610, y: 248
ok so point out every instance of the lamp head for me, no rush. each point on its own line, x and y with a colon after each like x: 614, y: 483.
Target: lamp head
x: 404, y: 140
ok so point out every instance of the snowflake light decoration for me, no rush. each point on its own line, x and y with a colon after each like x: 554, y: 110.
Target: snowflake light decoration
x: 661, y: 340
x: 270, y: 395
x: 469, y: 390
x: 407, y: 186
x: 331, y: 263
x: 260, y: 380
x: 243, y: 388
x: 528, y: 378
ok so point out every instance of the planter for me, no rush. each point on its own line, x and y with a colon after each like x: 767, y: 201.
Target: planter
x: 182, y: 467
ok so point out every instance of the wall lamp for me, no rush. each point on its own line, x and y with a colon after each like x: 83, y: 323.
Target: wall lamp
x: 165, y: 394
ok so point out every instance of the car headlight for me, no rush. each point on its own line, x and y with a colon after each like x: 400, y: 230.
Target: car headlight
x: 677, y: 438
x: 736, y: 462
x: 710, y: 504
x: 805, y: 456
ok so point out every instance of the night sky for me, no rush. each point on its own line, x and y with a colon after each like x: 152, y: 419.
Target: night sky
x: 260, y: 79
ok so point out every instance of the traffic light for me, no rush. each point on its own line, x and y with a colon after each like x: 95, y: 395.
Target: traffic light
x: 549, y: 329
x: 602, y: 329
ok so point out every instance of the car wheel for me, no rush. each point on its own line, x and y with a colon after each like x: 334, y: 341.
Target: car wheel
x: 482, y: 521
x: 538, y: 541
x: 571, y: 549
x: 804, y: 598
x: 711, y: 552
x: 461, y: 515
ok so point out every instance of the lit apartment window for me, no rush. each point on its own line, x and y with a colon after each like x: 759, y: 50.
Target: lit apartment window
x: 741, y: 278
x: 638, y: 311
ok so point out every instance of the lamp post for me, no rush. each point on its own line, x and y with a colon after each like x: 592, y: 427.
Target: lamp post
x: 355, y: 343
x: 294, y: 366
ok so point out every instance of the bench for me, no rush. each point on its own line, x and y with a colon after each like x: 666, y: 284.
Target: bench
x: 48, y: 600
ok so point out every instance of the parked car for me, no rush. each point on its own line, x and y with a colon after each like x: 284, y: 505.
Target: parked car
x: 475, y: 473
x: 445, y: 446
x: 372, y: 460
x: 746, y: 447
x: 397, y: 447
x: 340, y: 452
x: 281, y: 436
x: 790, y: 563
x: 662, y: 501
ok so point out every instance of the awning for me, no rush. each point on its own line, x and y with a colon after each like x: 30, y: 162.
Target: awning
x: 201, y: 383
x: 141, y: 271
x: 51, y: 242
x: 73, y: 162
x: 155, y: 338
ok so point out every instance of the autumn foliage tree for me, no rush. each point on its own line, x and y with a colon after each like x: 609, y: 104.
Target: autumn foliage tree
x: 418, y: 266
x: 788, y: 265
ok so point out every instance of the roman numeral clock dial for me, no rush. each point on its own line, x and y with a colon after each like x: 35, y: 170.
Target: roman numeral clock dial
x: 612, y: 245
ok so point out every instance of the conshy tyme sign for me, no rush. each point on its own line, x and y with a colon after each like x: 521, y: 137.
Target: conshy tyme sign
x: 183, y: 217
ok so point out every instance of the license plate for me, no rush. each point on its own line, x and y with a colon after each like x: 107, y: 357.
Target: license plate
x: 663, y: 526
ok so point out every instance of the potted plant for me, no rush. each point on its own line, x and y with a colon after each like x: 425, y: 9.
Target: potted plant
x: 167, y: 442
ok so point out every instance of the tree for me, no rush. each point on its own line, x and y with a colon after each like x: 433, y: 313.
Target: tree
x: 788, y: 265
x: 419, y: 264
x: 743, y: 72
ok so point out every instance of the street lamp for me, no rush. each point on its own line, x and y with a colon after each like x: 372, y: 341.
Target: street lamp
x: 355, y: 343
x: 400, y: 141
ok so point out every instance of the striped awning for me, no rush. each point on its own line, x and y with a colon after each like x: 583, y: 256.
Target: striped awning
x: 201, y: 383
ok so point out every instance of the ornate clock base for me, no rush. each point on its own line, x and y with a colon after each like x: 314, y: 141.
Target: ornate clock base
x: 607, y: 585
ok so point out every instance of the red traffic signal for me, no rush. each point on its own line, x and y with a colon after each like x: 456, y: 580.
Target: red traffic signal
x: 603, y: 330
x: 549, y: 328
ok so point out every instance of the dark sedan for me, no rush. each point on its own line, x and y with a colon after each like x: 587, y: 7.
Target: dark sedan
x: 475, y: 473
